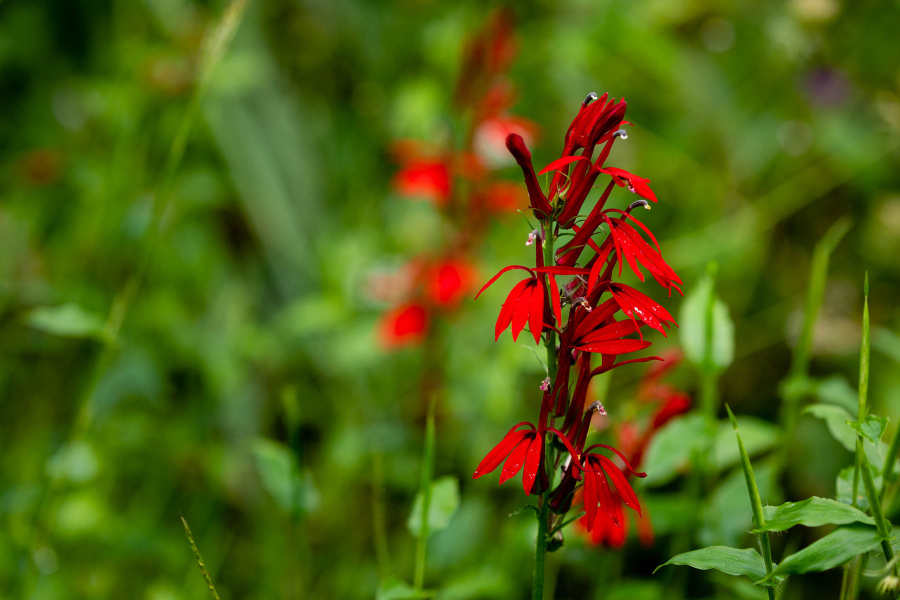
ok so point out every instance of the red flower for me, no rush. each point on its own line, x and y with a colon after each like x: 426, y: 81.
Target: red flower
x: 425, y: 178
x: 525, y: 447
x: 518, y: 448
x: 598, y: 472
x: 448, y: 281
x: 520, y: 152
x: 525, y: 304
x: 403, y: 326
x: 636, y: 184
x: 607, y: 531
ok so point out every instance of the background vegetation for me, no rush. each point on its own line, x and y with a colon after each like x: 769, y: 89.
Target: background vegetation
x: 199, y: 330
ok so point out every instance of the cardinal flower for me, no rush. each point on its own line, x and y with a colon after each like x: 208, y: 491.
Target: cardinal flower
x: 403, y: 326
x: 599, y: 471
x: 525, y: 304
x: 521, y: 448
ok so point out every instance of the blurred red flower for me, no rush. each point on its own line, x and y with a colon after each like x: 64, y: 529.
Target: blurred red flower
x: 403, y: 326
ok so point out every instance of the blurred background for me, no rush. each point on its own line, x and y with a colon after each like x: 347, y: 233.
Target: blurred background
x: 234, y: 272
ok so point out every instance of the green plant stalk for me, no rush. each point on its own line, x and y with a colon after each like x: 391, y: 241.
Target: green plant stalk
x: 872, y: 496
x: 425, y: 484
x: 790, y: 411
x: 540, y: 543
x: 206, y: 577
x: 863, y: 383
x: 887, y: 472
x: 382, y: 554
x: 759, y: 519
x: 709, y: 376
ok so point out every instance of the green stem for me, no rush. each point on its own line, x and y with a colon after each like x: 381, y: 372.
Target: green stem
x: 540, y: 543
x: 872, y: 496
x: 425, y: 485
x: 759, y: 520
x: 887, y: 472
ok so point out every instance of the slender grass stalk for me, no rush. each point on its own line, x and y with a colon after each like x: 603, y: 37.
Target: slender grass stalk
x: 759, y: 519
x: 872, y: 496
x: 793, y: 389
x: 887, y: 472
x: 425, y: 485
x: 863, y: 382
x: 709, y: 376
x: 382, y: 554
x: 206, y: 577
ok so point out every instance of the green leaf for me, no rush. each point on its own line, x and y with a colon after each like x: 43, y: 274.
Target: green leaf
x: 812, y: 512
x: 872, y: 428
x: 444, y: 502
x: 758, y: 436
x: 844, y: 487
x: 730, y: 561
x: 396, y: 589
x: 672, y: 448
x: 693, y: 331
x: 66, y: 320
x: 837, y: 419
x: 275, y: 464
x: 836, y: 390
x: 831, y: 551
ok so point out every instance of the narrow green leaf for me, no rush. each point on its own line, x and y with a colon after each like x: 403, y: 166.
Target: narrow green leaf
x: 672, y: 447
x: 444, y: 503
x: 198, y: 558
x: 872, y: 428
x: 831, y: 551
x: 837, y: 420
x: 812, y: 512
x: 844, y: 488
x: 693, y: 332
x: 816, y: 290
x: 730, y: 561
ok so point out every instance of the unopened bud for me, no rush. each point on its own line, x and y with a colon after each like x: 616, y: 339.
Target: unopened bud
x: 589, y: 98
x: 545, y: 384
x: 621, y: 133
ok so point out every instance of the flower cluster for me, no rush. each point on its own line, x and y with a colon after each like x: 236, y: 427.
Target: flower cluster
x: 659, y: 402
x: 577, y: 278
x: 461, y: 183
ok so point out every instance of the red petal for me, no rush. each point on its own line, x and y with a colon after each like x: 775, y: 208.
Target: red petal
x: 613, y: 472
x: 615, y: 346
x: 516, y: 458
x: 508, y: 309
x: 606, y: 497
x: 523, y: 307
x: 536, y: 319
x: 605, y: 368
x: 590, y: 498
x: 555, y: 301
x: 597, y: 316
x: 621, y: 456
x: 613, y: 331
x: 497, y: 276
x: 532, y: 463
x: 500, y: 451
x: 560, y: 162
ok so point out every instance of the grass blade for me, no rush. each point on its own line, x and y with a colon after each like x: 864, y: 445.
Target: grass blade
x: 190, y: 537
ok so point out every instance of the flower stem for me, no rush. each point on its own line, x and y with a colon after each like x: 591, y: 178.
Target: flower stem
x: 759, y: 520
x: 540, y: 543
x: 427, y: 467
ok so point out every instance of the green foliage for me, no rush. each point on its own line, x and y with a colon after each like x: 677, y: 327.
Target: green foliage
x: 812, y: 512
x: 838, y: 421
x: 444, y: 504
x: 844, y: 487
x: 831, y: 551
x: 701, y: 307
x: 67, y: 320
x: 872, y: 428
x: 396, y: 589
x: 731, y: 561
x: 672, y: 448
